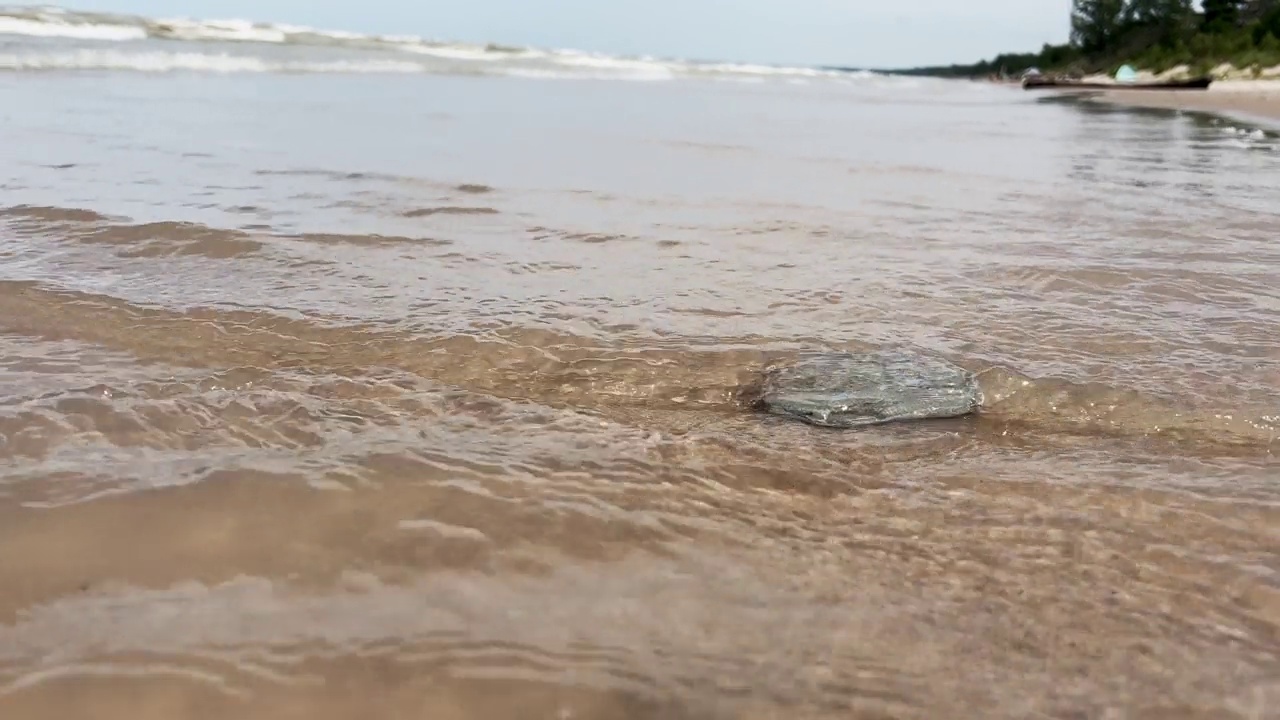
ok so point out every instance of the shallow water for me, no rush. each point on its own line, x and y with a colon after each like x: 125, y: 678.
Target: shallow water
x: 429, y: 395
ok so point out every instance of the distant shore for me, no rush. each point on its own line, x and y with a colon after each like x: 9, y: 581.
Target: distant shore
x: 1235, y: 42
x: 1256, y: 99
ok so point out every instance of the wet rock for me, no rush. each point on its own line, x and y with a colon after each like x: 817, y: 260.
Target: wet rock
x: 846, y: 390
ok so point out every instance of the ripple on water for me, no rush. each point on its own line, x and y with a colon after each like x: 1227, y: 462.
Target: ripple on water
x: 419, y: 444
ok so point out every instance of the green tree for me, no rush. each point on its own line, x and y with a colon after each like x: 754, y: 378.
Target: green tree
x: 1268, y: 23
x: 1221, y: 15
x: 1158, y: 11
x: 1166, y: 22
x: 1096, y: 24
x: 1254, y: 10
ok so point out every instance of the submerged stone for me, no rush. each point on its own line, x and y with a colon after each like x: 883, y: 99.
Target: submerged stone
x: 847, y: 390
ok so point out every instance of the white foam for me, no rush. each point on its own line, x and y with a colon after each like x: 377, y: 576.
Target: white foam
x: 608, y: 62
x: 549, y: 74
x: 343, y: 35
x: 225, y: 30
x: 142, y: 62
x: 354, y: 66
x: 393, y: 39
x: 455, y: 52
x: 562, y: 67
x: 621, y: 68
x: 538, y: 74
x: 307, y: 30
x: 83, y: 31
x: 159, y: 62
x: 488, y: 60
x: 767, y: 70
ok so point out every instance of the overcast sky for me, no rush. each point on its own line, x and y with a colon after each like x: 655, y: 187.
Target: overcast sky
x: 874, y: 33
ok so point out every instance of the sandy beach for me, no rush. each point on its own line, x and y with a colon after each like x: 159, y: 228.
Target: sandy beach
x: 1258, y: 100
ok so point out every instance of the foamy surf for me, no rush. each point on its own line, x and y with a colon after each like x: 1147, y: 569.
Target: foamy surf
x: 163, y: 62
x: 65, y: 40
x: 52, y: 27
x: 225, y: 30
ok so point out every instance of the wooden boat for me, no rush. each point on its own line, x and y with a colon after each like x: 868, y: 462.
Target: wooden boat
x: 1042, y: 83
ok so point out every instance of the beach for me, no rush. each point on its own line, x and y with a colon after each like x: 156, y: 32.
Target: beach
x: 1257, y: 100
x: 346, y: 375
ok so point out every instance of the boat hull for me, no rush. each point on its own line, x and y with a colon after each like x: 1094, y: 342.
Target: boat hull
x: 1200, y: 83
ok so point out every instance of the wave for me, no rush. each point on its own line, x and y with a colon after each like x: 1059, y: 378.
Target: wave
x: 105, y: 41
x: 86, y: 31
x: 193, y: 62
x: 157, y: 61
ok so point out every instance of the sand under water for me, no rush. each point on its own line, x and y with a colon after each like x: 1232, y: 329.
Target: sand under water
x: 1256, y: 102
x: 427, y: 394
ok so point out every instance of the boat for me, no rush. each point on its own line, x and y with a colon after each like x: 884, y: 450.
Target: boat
x: 1041, y: 83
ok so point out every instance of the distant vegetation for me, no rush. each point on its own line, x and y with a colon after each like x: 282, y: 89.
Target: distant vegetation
x: 1151, y: 35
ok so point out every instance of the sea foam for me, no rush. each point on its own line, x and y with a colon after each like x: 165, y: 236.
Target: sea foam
x: 66, y: 40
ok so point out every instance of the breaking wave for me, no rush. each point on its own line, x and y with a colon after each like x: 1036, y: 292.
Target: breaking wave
x: 189, y: 61
x: 50, y: 38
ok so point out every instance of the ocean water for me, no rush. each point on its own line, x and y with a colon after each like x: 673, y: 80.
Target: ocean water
x: 345, y: 375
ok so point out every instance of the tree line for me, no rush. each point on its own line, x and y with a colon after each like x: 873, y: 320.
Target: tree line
x: 1149, y: 34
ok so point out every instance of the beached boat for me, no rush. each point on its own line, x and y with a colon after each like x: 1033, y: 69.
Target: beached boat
x: 1042, y: 83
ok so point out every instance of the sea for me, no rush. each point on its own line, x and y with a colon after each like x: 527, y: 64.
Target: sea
x: 345, y: 375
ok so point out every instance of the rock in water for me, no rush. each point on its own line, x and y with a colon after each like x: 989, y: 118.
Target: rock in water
x: 847, y: 390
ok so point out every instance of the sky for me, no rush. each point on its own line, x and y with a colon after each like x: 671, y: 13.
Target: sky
x: 859, y: 33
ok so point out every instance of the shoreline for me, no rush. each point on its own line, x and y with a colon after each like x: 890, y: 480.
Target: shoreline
x: 1256, y: 101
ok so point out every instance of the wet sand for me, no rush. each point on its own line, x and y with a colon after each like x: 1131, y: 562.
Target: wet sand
x: 1254, y: 100
x: 429, y: 396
